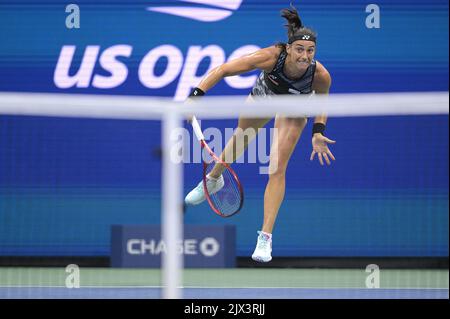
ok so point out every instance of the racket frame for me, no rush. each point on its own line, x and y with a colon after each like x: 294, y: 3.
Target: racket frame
x: 198, y: 133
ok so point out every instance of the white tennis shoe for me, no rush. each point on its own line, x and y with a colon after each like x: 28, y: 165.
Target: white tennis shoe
x: 197, y: 195
x: 263, y: 250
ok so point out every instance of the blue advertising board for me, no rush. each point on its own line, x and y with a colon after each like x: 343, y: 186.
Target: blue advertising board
x: 163, y: 48
x: 64, y: 182
x: 141, y: 246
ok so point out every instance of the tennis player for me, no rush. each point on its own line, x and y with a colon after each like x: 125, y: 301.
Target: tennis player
x: 287, y: 68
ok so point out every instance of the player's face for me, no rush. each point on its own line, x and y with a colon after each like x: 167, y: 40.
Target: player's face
x: 301, y: 53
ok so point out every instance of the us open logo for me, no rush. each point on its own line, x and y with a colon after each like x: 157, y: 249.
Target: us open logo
x: 216, y: 10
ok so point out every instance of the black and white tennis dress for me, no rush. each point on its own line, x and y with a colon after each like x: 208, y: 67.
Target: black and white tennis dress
x: 276, y: 82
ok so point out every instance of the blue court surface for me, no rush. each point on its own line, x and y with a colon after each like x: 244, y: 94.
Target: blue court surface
x: 239, y: 283
x: 221, y: 293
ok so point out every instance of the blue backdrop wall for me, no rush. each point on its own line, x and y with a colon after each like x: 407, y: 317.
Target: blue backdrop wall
x: 63, y: 182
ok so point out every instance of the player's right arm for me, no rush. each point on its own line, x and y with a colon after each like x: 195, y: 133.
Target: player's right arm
x: 263, y: 59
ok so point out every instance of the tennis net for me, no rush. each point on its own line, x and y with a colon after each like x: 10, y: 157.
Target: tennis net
x: 76, y: 171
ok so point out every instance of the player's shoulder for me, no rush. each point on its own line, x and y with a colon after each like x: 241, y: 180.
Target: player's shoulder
x: 321, y: 70
x: 272, y: 52
x: 267, y: 57
x: 322, y: 76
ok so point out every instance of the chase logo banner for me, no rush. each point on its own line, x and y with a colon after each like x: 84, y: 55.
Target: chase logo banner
x: 141, y: 246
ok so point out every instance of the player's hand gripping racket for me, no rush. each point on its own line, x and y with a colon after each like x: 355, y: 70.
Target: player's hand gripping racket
x: 228, y: 200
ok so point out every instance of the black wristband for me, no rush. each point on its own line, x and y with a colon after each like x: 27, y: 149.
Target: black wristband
x: 196, y: 92
x: 318, y: 128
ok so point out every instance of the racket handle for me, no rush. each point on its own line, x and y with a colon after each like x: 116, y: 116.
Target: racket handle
x: 197, y: 129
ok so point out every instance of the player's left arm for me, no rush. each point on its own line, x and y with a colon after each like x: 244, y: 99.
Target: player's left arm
x: 321, y: 85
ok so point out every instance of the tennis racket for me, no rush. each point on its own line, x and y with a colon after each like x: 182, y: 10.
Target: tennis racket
x: 229, y: 199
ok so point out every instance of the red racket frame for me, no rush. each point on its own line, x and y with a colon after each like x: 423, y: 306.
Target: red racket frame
x: 238, y: 183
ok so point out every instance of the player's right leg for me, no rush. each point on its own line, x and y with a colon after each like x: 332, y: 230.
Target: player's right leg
x: 246, y: 131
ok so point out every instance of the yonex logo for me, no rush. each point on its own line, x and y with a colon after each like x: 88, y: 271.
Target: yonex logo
x: 306, y: 37
x: 223, y: 9
x: 273, y: 78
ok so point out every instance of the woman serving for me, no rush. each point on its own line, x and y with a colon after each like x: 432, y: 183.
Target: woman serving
x: 286, y: 68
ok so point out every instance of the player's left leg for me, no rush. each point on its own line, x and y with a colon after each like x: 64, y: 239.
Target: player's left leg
x: 288, y: 132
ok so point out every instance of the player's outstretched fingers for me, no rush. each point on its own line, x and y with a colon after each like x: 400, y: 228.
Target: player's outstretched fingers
x: 326, y: 158
x: 320, y: 158
x: 331, y: 155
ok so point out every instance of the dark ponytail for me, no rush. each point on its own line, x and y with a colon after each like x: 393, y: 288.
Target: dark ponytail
x: 296, y: 29
x: 293, y: 19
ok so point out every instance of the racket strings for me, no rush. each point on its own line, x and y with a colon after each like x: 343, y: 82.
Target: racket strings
x: 228, y: 200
